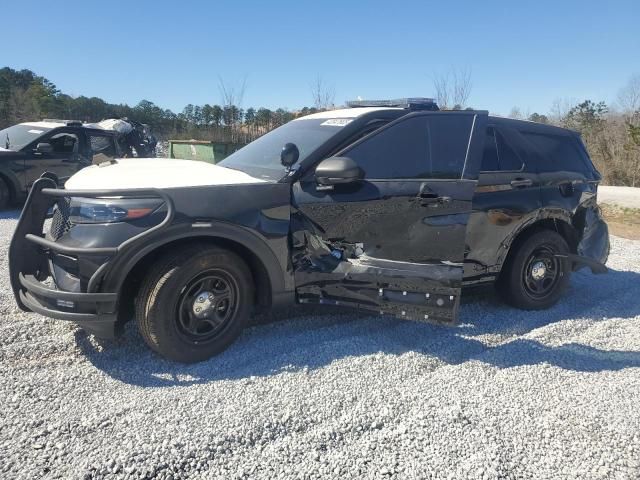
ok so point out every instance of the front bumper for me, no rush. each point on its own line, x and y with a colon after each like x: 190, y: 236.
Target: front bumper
x: 30, y: 253
x: 38, y: 297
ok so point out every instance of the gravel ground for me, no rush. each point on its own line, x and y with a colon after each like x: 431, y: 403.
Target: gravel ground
x: 507, y: 394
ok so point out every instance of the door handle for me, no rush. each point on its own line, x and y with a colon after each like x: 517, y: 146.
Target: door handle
x: 521, y: 182
x: 430, y: 198
x: 428, y: 195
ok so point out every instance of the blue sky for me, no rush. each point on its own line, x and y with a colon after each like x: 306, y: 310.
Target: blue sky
x: 172, y: 53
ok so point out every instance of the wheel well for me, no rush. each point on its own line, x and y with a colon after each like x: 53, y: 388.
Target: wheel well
x: 134, y: 278
x: 10, y: 187
x: 567, y: 231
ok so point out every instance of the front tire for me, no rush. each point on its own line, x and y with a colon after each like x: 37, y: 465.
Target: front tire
x: 535, y: 278
x: 194, y: 303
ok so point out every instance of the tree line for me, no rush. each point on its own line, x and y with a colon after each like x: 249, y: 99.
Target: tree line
x: 611, y: 132
x: 25, y: 96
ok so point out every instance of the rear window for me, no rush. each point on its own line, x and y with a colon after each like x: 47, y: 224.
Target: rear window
x: 559, y: 152
x: 498, y: 155
x: 102, y: 148
x: 100, y: 144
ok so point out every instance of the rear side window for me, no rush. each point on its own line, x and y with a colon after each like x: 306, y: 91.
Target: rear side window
x: 490, y: 154
x: 558, y: 152
x: 498, y: 155
x: 426, y: 146
x: 102, y: 148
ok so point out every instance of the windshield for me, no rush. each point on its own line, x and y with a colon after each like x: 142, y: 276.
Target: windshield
x: 18, y: 136
x: 262, y: 156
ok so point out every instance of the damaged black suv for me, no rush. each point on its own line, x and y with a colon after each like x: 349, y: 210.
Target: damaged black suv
x: 61, y: 147
x: 388, y: 206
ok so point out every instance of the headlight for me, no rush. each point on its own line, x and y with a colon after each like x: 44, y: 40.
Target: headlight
x: 107, y: 210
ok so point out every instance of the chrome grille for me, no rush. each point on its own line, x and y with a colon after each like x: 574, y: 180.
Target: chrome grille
x: 60, y: 221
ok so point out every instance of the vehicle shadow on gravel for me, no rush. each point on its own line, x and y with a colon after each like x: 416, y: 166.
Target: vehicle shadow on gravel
x: 306, y: 338
x: 9, y: 214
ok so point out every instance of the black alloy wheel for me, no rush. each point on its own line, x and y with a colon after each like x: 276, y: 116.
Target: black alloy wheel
x: 537, y: 271
x: 206, y: 305
x: 194, y: 302
x: 542, y: 272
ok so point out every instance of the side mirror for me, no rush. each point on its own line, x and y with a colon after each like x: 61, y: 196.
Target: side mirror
x: 289, y: 155
x: 44, y: 148
x: 338, y: 170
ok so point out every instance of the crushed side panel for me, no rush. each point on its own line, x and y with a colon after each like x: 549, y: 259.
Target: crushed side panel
x: 339, y: 273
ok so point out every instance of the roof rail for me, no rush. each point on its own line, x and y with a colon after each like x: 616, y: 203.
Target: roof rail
x: 412, y: 103
x: 66, y: 122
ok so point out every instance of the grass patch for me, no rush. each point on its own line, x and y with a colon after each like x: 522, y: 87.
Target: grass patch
x: 623, y: 221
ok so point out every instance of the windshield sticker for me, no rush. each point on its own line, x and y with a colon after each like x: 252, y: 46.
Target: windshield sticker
x: 337, y: 122
x: 36, y: 131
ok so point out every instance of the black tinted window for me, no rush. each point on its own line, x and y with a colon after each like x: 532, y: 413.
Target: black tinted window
x: 558, y: 152
x: 102, y: 148
x: 498, y: 155
x: 507, y: 157
x: 490, y: 154
x: 431, y: 146
x: 64, y: 143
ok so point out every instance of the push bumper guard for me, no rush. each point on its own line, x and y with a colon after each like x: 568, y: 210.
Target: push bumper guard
x: 30, y: 252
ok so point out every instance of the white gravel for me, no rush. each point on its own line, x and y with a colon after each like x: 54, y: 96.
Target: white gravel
x: 507, y: 394
x: 628, y: 197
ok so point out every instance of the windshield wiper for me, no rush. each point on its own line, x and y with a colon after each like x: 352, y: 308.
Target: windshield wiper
x: 7, y: 144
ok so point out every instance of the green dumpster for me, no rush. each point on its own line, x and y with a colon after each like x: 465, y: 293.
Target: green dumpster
x: 211, y: 152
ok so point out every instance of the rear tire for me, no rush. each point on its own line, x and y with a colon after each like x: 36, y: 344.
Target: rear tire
x: 194, y: 303
x: 534, y: 278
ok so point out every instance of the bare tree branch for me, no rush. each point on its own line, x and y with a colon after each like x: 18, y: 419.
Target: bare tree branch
x: 515, y: 113
x: 461, y: 87
x: 232, y: 99
x: 453, y: 88
x: 441, y: 87
x: 560, y: 109
x: 232, y: 96
x: 323, y: 95
x: 629, y: 96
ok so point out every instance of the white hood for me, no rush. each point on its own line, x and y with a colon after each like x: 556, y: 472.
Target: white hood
x: 155, y: 173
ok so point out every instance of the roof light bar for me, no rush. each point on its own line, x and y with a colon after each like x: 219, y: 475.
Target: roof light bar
x: 411, y: 103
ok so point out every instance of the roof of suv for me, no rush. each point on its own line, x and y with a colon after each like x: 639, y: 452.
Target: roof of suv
x: 528, y: 125
x: 345, y: 113
x: 51, y: 124
x: 44, y: 124
x: 493, y: 119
